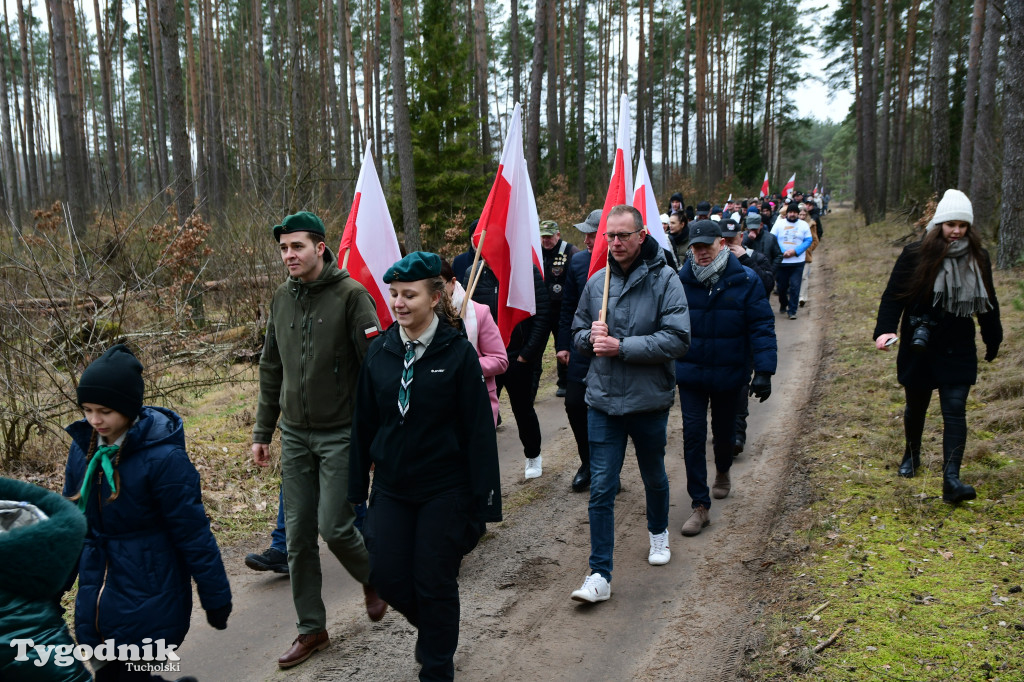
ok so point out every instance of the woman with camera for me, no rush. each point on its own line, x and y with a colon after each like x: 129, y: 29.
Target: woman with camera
x: 937, y: 287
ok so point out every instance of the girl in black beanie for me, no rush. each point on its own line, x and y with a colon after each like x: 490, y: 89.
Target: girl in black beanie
x: 148, y: 534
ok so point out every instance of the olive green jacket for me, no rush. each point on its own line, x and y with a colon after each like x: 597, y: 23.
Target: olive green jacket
x: 317, y: 335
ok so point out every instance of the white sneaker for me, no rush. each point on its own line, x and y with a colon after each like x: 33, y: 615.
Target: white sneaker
x: 660, y: 553
x: 533, y: 467
x: 595, y: 588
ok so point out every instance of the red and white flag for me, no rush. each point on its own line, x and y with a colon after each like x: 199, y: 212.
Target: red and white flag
x: 764, y: 186
x: 370, y: 239
x: 618, y: 187
x: 510, y: 218
x: 643, y: 201
x: 790, y: 184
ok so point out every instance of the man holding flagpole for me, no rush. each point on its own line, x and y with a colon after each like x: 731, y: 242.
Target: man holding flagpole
x: 633, y: 321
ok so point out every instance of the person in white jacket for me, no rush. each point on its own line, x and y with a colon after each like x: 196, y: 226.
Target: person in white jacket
x: 794, y: 237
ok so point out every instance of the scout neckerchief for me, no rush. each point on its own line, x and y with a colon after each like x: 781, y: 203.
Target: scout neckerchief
x: 100, y: 458
x: 403, y: 389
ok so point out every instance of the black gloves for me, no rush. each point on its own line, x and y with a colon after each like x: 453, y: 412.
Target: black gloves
x: 218, y: 618
x: 991, y: 352
x: 761, y: 386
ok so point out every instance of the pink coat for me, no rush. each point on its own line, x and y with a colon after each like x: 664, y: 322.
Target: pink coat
x: 491, y: 351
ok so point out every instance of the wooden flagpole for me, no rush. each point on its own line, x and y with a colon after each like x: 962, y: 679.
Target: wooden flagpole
x: 344, y: 259
x: 474, y: 275
x: 607, y: 281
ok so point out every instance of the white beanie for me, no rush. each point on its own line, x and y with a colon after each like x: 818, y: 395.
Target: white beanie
x: 954, y: 206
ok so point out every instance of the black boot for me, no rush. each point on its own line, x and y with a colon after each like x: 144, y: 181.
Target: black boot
x: 953, y: 489
x: 911, y: 461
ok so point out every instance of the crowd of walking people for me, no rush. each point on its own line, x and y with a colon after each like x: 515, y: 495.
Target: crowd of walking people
x: 387, y: 436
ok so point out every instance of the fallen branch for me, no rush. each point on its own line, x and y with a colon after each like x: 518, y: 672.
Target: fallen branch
x: 830, y: 641
x: 816, y: 611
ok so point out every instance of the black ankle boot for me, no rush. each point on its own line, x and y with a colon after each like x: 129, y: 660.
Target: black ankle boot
x: 911, y: 462
x: 953, y: 489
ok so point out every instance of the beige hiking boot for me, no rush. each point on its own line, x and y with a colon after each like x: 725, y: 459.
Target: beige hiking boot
x: 698, y: 519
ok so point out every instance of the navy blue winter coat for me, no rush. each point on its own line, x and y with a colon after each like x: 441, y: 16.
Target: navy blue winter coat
x: 144, y: 548
x: 579, y: 363
x: 728, y: 323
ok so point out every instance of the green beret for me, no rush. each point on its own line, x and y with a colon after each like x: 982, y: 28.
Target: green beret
x: 303, y: 221
x: 417, y: 265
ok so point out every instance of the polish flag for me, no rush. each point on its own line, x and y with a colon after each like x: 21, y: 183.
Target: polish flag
x: 509, y: 220
x: 790, y: 184
x: 369, y: 239
x: 764, y: 186
x: 617, y: 187
x: 643, y: 201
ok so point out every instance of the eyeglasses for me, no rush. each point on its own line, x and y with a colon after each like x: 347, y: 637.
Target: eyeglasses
x: 621, y: 236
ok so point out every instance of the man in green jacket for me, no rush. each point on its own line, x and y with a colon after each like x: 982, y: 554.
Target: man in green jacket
x: 320, y: 325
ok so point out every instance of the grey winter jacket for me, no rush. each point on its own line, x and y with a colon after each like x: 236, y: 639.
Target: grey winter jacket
x: 647, y: 312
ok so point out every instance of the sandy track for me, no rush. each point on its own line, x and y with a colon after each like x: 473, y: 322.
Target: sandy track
x: 689, y: 620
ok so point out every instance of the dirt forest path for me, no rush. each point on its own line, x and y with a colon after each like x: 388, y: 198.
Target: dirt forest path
x: 689, y: 620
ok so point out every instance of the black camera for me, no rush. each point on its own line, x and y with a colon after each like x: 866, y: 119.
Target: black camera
x: 922, y: 335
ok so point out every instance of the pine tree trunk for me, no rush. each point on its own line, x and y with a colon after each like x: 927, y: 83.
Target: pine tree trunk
x: 986, y: 167
x: 345, y: 117
x: 12, y: 200
x: 75, y: 184
x: 298, y: 130
x: 32, y: 184
x: 939, y: 77
x: 700, y: 71
x: 202, y: 173
x: 883, y: 128
x: 685, y: 125
x: 159, y: 102
x: 971, y: 97
x: 552, y: 92
x: 904, y: 95
x: 536, y: 82
x: 403, y: 130
x: 482, y: 62
x: 180, y: 150
x: 112, y: 187
x: 866, y: 165
x: 581, y: 96
x: 513, y: 27
x: 641, y: 81
x: 1011, y: 224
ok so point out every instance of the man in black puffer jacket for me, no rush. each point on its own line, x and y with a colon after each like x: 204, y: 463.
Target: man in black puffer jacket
x: 525, y: 353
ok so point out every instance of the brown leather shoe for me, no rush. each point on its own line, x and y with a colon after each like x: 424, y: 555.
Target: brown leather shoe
x: 698, y: 519
x: 303, y: 647
x: 720, y: 490
x: 375, y: 606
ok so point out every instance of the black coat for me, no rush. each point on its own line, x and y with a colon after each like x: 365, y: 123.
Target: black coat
x: 767, y: 244
x: 530, y: 337
x: 579, y: 364
x: 952, y: 356
x: 762, y: 267
x: 446, y: 441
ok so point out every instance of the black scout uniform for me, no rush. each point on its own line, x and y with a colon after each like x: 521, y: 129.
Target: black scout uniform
x: 556, y: 269
x: 436, y: 479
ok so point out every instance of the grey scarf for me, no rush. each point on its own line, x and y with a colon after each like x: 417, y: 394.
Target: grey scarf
x: 959, y: 289
x: 708, y: 274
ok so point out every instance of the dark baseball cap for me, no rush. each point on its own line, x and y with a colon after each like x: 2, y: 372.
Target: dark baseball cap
x: 704, y: 208
x: 730, y: 228
x: 705, y: 232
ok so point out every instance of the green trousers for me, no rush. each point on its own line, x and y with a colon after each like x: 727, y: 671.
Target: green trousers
x: 314, y: 473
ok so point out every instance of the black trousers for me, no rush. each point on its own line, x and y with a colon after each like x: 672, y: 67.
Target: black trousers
x: 576, y: 411
x: 953, y: 403
x: 555, y: 312
x: 742, y: 412
x: 416, y: 549
x: 518, y: 381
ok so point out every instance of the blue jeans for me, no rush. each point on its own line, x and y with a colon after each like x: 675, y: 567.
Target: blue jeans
x: 694, y: 402
x: 278, y: 537
x: 787, y: 282
x: 608, y: 435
